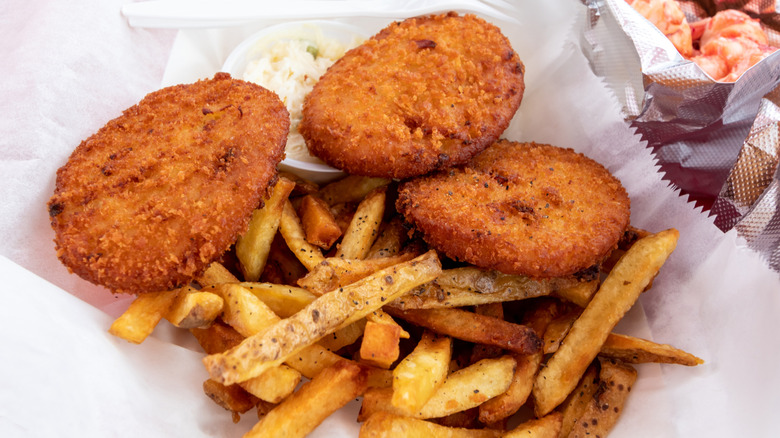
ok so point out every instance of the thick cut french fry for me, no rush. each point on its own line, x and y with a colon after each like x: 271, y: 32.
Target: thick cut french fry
x: 617, y: 294
x: 577, y: 402
x: 232, y: 398
x: 216, y: 273
x: 292, y: 231
x: 193, y: 309
x: 463, y: 389
x: 387, y: 425
x: 328, y: 313
x: 471, y: 327
x: 380, y: 344
x: 283, y: 300
x: 579, y: 293
x: 481, y: 351
x: 635, y: 350
x: 335, y: 272
x: 364, y: 227
x: 604, y: 409
x: 470, y: 286
x: 351, y: 189
x: 243, y: 310
x: 274, y: 385
x: 379, y: 316
x: 344, y: 336
x: 390, y: 241
x: 548, y: 426
x: 217, y: 337
x: 253, y: 246
x: 319, y: 225
x: 304, y: 410
x: 143, y: 315
x: 558, y: 328
x: 421, y: 373
x: 504, y: 405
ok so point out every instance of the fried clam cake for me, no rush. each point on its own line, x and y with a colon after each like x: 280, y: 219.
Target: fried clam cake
x: 425, y: 93
x: 520, y: 208
x: 147, y: 202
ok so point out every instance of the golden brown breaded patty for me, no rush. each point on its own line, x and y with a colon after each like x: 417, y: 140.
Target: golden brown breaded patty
x: 147, y: 202
x: 520, y: 208
x: 425, y: 93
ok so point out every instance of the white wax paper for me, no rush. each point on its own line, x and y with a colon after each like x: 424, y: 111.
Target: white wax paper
x: 70, y: 67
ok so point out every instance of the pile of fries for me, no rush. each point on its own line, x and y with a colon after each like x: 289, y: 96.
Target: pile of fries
x: 328, y: 285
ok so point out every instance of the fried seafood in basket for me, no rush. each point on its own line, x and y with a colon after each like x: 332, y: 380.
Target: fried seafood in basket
x: 424, y: 93
x: 160, y: 192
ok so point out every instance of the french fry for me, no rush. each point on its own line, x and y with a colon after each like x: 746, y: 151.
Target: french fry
x: 635, y: 350
x: 548, y: 426
x: 216, y: 273
x: 231, y: 398
x: 388, y: 425
x: 326, y: 314
x: 217, y: 337
x: 344, y: 336
x: 614, y: 298
x: 335, y: 272
x: 470, y: 286
x: 292, y: 231
x: 604, y: 409
x: 506, y: 404
x: 193, y: 309
x: 274, y: 385
x: 319, y: 225
x: 304, y: 410
x: 482, y: 351
x: 577, y: 402
x: 557, y: 330
x: 143, y: 315
x: 351, y: 189
x: 380, y: 344
x: 421, y: 373
x: 471, y: 327
x: 379, y: 316
x: 283, y: 300
x: 364, y: 227
x: 392, y: 236
x: 463, y: 389
x: 243, y: 310
x: 579, y: 293
x: 282, y: 266
x: 253, y: 246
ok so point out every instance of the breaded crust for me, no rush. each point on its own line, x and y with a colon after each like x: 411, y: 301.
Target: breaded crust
x: 147, y: 202
x: 520, y: 208
x: 425, y: 93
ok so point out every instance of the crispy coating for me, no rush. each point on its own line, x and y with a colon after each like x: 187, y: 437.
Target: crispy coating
x: 147, y: 202
x: 520, y: 208
x: 425, y: 93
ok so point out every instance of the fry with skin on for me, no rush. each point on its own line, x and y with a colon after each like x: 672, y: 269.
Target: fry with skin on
x: 143, y: 315
x: 421, y: 373
x: 392, y: 236
x: 617, y: 294
x: 387, y: 425
x: 283, y: 300
x: 253, y: 246
x: 606, y: 406
x: 351, y: 188
x: 231, y: 398
x: 463, y: 389
x: 635, y: 350
x: 304, y: 410
x: 216, y: 273
x: 548, y: 426
x: 577, y: 402
x: 335, y: 272
x: 292, y: 231
x: 471, y: 327
x: 326, y: 314
x: 193, y: 309
x: 364, y: 227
